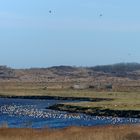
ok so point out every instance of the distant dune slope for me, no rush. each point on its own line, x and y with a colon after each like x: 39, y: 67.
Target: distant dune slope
x: 98, y: 77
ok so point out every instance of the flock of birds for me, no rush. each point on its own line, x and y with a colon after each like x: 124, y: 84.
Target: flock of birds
x: 100, y: 15
x: 33, y: 111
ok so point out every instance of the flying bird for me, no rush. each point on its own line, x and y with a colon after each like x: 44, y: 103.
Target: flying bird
x: 50, y: 11
x: 100, y: 15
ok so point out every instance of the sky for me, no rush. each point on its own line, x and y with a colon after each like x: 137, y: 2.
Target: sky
x: 75, y: 32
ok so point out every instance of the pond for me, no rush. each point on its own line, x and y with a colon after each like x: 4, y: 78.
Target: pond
x: 32, y: 113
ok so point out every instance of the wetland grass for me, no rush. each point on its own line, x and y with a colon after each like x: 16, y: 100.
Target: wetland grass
x: 73, y: 133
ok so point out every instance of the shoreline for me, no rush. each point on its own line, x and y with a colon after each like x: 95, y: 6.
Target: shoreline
x: 97, y: 111
x: 56, y: 98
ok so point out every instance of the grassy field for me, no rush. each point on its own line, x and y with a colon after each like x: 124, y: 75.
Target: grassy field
x: 73, y: 133
x: 121, y: 100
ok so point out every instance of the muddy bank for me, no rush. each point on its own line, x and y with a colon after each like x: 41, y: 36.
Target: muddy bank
x: 97, y: 111
x: 57, y: 98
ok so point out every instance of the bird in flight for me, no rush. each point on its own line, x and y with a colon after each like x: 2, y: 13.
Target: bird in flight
x: 100, y: 15
x: 50, y: 11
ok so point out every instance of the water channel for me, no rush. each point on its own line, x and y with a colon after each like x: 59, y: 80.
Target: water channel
x: 32, y: 113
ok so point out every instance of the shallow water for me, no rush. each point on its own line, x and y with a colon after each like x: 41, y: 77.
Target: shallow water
x: 31, y: 113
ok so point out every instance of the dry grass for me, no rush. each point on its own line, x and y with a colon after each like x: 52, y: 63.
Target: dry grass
x: 73, y: 133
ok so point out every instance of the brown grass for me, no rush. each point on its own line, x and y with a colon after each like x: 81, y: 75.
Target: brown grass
x: 73, y: 133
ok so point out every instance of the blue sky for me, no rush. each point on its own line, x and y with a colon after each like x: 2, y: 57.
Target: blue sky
x: 73, y: 34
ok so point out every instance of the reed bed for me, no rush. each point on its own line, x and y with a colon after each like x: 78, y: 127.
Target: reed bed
x: 73, y: 133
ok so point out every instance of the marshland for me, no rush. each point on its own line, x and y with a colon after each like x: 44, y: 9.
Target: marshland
x: 69, y: 70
